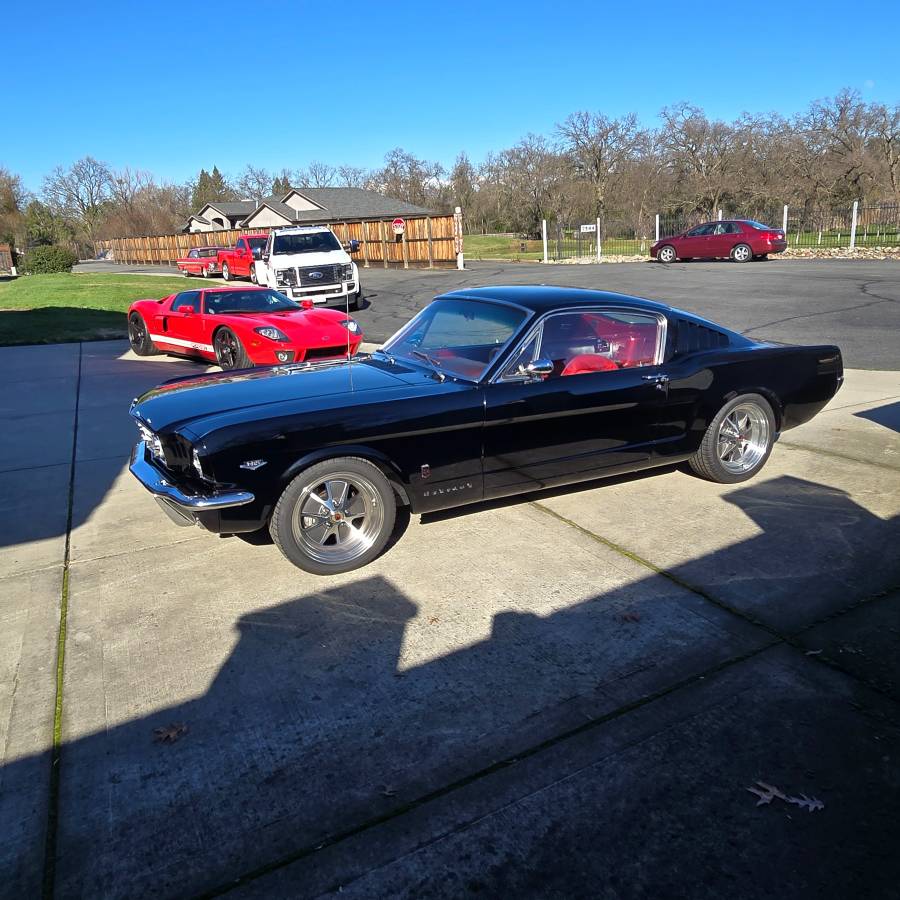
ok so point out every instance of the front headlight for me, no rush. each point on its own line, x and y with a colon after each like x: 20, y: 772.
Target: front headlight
x: 286, y: 276
x: 347, y: 272
x: 273, y: 334
x: 351, y: 325
x: 152, y: 440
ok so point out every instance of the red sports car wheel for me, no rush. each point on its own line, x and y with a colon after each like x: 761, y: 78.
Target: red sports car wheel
x: 230, y: 352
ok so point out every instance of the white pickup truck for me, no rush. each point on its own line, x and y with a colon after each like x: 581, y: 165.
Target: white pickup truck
x: 309, y: 263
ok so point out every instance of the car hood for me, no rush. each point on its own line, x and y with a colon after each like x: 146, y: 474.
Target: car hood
x: 307, y: 327
x: 199, y: 404
x: 324, y: 258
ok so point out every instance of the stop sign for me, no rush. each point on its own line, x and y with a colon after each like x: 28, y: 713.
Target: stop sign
x: 398, y: 225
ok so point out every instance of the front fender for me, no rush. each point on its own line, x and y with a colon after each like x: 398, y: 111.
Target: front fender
x: 388, y: 467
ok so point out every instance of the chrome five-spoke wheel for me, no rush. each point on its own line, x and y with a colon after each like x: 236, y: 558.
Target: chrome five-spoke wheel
x: 335, y: 516
x: 339, y: 519
x: 738, y: 440
x: 743, y: 438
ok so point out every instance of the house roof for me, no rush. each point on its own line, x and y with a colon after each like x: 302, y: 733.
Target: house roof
x: 358, y: 203
x: 232, y: 207
x: 336, y: 203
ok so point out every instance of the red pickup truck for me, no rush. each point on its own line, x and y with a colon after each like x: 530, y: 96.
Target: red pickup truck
x: 238, y: 262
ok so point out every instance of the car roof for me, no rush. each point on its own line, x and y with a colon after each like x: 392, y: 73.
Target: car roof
x: 542, y: 298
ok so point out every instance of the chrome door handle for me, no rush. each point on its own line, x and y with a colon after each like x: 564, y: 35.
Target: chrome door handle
x: 659, y: 380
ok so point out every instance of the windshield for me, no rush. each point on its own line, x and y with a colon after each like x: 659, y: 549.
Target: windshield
x: 456, y: 336
x: 309, y: 242
x: 247, y: 302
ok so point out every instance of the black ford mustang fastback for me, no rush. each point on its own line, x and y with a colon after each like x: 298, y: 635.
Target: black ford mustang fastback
x: 484, y: 393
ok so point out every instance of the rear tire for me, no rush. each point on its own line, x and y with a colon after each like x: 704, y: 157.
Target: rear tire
x: 741, y: 253
x: 737, y: 442
x: 230, y: 352
x: 226, y: 272
x: 666, y: 254
x: 139, y: 336
x: 335, y: 516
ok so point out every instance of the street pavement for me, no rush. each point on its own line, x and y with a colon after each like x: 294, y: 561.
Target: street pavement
x: 565, y: 694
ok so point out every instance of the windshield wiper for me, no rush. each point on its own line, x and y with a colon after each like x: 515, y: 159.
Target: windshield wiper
x: 429, y: 359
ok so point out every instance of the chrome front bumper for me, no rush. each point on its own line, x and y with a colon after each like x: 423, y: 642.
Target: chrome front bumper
x: 180, y: 506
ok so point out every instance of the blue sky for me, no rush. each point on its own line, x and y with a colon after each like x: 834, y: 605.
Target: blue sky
x: 173, y: 87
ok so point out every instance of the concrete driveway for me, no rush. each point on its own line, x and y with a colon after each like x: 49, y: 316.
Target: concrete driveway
x: 567, y: 694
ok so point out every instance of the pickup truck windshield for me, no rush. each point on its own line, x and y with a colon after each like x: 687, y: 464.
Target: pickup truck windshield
x: 220, y: 302
x: 313, y: 242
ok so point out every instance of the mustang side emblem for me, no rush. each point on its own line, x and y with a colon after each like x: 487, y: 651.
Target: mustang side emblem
x: 315, y: 275
x: 253, y: 464
x: 436, y: 492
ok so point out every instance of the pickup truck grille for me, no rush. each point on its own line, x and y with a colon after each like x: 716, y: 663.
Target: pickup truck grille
x: 309, y: 275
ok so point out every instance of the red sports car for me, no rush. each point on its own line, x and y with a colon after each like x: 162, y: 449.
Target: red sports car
x: 737, y: 239
x: 240, y: 327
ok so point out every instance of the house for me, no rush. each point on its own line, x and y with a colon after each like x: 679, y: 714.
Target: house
x: 303, y: 206
x: 220, y: 214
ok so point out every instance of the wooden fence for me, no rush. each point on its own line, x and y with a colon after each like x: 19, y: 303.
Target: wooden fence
x: 426, y: 242
x: 5, y: 258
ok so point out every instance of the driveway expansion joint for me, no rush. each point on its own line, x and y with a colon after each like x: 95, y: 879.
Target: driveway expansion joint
x: 49, y: 876
x: 791, y: 640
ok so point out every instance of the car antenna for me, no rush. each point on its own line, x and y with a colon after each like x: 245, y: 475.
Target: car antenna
x: 347, y: 329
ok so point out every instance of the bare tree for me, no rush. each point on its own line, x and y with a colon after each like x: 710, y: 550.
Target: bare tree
x: 317, y: 174
x: 702, y: 155
x: 598, y: 148
x: 352, y: 176
x: 13, y: 201
x: 254, y: 183
x: 886, y: 142
x: 79, y: 193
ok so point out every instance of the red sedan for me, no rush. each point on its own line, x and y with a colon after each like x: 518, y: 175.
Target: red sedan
x: 239, y: 328
x: 738, y: 239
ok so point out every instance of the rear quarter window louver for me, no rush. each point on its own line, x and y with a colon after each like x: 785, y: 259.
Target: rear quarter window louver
x: 691, y: 337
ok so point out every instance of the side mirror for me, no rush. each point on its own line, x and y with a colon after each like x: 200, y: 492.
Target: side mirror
x: 353, y: 246
x: 539, y: 369
x: 265, y: 257
x: 257, y: 252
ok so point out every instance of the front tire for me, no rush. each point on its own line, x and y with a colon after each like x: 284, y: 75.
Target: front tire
x: 230, y: 352
x: 253, y: 274
x: 139, y: 336
x: 737, y: 442
x: 742, y: 253
x: 354, y: 303
x: 667, y: 254
x: 335, y: 516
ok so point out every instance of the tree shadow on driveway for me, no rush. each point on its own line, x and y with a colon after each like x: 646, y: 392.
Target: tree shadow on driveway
x: 320, y: 733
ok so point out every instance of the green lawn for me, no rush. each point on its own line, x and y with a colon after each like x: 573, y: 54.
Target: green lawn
x: 50, y: 309
x: 500, y: 246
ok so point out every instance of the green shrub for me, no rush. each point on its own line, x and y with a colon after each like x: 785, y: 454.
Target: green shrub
x: 47, y: 259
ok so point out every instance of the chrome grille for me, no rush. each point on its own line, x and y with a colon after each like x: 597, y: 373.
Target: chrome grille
x: 330, y: 274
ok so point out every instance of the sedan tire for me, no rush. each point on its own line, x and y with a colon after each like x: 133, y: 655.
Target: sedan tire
x: 335, y: 516
x: 667, y: 254
x: 737, y: 442
x: 742, y: 253
x: 139, y: 336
